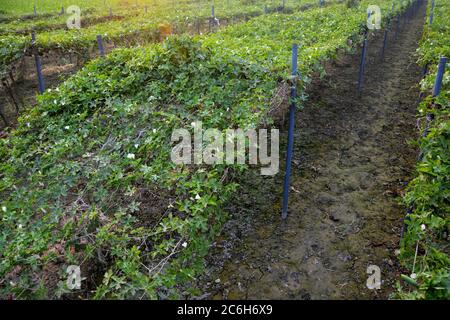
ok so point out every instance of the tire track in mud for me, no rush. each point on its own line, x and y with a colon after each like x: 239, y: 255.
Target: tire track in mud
x: 352, y: 160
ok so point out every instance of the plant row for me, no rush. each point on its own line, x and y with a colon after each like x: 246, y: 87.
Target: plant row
x: 86, y: 178
x: 139, y: 29
x: 425, y: 244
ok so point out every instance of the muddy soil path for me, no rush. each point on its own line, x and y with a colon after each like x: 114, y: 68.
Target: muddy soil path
x: 352, y: 159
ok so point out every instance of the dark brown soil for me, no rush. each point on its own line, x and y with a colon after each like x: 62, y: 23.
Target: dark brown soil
x: 55, y: 69
x: 352, y: 159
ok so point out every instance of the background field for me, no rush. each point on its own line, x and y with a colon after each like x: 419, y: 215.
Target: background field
x: 26, y: 6
x: 86, y: 177
x: 46, y: 6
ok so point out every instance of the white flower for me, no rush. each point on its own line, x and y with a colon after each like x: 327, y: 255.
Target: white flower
x: 4, y: 209
x: 55, y: 102
x: 67, y: 127
x: 131, y: 156
x: 413, y: 275
x: 423, y: 227
x: 136, y: 146
x: 193, y: 124
x: 20, y: 226
x: 197, y: 197
x: 184, y: 245
x: 28, y: 124
x: 154, y: 130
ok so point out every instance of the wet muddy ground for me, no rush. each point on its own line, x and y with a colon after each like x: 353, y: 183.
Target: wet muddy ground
x: 352, y: 161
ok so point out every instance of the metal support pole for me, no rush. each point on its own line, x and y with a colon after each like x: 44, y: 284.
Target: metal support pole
x: 386, y: 31
x: 290, y: 133
x: 363, y: 60
x: 439, y: 76
x: 37, y: 60
x: 436, y: 91
x: 101, y: 49
x: 361, y: 66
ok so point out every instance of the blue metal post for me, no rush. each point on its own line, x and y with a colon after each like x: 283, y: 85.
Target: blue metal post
x: 384, y: 43
x: 436, y: 91
x: 431, y: 13
x: 361, y: 66
x: 212, y: 11
x: 363, y: 59
x: 62, y: 10
x: 386, y: 30
x: 290, y: 133
x: 439, y: 76
x: 37, y: 60
x: 100, y: 45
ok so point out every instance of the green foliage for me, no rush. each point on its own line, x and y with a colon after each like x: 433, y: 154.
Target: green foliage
x: 86, y: 178
x: 11, y: 50
x: 429, y: 192
x: 136, y: 27
x: 70, y: 191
